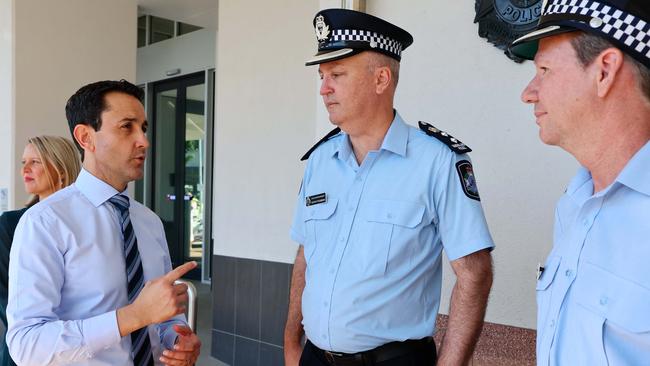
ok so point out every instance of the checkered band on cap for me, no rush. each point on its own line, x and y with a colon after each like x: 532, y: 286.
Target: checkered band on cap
x: 373, y: 38
x: 614, y: 23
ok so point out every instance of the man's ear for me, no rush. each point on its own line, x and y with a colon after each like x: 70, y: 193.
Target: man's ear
x: 608, y: 66
x: 383, y: 79
x: 85, y: 137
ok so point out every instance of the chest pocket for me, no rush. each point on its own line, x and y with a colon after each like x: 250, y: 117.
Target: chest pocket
x: 390, y: 226
x: 545, y: 290
x: 618, y: 300
x: 320, y: 227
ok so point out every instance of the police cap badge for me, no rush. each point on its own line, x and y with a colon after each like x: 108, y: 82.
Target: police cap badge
x: 343, y: 33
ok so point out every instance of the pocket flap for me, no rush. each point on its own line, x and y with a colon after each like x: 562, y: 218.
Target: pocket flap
x: 550, y: 268
x: 321, y: 211
x: 617, y: 299
x: 395, y: 212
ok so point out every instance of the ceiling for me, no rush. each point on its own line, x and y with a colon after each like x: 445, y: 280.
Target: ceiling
x: 197, y: 12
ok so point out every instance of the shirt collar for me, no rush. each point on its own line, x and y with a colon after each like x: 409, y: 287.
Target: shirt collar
x: 636, y: 174
x: 581, y: 186
x: 96, y: 190
x: 395, y: 140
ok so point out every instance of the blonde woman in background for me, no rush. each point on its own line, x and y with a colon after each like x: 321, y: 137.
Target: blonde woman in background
x: 49, y: 163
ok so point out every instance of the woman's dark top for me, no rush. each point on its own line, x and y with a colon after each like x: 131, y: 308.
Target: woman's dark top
x: 8, y: 222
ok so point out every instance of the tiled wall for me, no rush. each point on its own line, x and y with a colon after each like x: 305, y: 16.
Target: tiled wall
x: 250, y: 300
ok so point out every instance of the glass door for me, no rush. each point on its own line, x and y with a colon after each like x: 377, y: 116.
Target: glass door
x: 179, y: 166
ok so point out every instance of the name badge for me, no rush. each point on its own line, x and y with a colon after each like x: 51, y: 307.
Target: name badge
x: 316, y: 199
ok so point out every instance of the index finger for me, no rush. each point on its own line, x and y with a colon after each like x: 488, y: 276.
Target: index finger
x: 180, y: 271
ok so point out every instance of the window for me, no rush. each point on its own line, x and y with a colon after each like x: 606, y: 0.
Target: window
x: 184, y: 28
x: 160, y: 29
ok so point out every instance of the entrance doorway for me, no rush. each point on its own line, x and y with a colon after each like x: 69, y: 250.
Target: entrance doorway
x: 180, y: 185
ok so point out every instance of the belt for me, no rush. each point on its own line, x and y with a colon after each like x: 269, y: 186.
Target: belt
x: 382, y: 353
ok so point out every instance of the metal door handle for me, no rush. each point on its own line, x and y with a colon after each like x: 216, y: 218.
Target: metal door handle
x: 192, y: 303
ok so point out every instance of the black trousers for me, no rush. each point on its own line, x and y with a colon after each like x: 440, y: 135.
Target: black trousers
x: 423, y: 356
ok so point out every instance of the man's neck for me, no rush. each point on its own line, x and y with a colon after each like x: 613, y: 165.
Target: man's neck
x: 100, y: 174
x: 370, y: 134
x: 608, y: 154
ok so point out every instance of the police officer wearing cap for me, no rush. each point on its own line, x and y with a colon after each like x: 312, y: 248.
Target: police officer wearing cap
x: 591, y: 95
x: 378, y: 203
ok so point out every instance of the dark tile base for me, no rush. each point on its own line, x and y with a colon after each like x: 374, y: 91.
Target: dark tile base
x: 250, y: 301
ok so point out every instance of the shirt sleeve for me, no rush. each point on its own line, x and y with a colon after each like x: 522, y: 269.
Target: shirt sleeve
x: 35, y: 334
x: 461, y: 221
x: 298, y: 230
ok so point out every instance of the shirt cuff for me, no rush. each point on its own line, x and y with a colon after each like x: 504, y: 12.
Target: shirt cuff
x: 458, y: 252
x: 295, y: 236
x: 101, y: 332
x: 169, y: 335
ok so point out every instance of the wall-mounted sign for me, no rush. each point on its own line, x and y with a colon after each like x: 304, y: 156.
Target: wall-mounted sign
x: 503, y: 21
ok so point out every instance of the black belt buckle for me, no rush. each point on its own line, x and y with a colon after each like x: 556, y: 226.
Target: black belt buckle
x: 343, y: 359
x: 331, y: 356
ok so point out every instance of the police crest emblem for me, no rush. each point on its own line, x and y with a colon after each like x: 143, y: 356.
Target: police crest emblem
x: 503, y: 21
x: 322, y: 30
x: 467, y: 179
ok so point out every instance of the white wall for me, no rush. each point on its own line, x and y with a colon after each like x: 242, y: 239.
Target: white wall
x: 6, y: 97
x: 60, y: 46
x: 269, y: 112
x: 190, y: 53
x: 265, y: 114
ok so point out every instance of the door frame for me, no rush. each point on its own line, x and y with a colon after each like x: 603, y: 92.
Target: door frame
x: 176, y: 244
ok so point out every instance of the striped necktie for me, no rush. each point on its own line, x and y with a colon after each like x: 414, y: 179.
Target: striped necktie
x: 140, y: 343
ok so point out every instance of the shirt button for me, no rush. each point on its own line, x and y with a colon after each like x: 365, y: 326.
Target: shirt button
x: 324, y: 336
x: 325, y: 303
x: 342, y: 240
x: 585, y: 222
x: 350, y: 208
x: 552, y: 323
x: 568, y: 273
x: 332, y: 271
x: 603, y: 300
x: 389, y: 216
x: 358, y: 179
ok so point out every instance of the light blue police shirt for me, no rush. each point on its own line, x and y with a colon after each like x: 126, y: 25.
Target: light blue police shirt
x: 373, y: 249
x: 594, y: 293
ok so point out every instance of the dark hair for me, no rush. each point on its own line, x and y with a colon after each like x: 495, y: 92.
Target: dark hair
x: 588, y: 46
x: 87, y: 104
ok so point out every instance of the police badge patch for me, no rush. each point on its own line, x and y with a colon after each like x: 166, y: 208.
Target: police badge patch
x: 467, y: 179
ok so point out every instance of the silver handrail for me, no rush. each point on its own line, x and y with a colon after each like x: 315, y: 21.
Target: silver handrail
x: 192, y: 303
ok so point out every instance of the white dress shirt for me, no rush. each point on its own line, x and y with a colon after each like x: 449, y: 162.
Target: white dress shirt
x: 67, y: 278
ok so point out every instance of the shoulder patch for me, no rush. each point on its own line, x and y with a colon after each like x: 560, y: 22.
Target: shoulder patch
x: 453, y: 143
x: 331, y: 134
x: 467, y: 179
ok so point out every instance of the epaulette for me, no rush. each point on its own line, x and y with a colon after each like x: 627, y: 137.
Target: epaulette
x: 331, y: 134
x: 453, y: 143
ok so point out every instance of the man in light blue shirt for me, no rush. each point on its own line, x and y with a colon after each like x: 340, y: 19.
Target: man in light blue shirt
x: 592, y: 98
x: 378, y: 203
x: 69, y: 278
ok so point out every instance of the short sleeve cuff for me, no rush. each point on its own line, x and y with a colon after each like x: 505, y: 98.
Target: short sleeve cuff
x: 295, y: 236
x: 101, y: 332
x: 458, y: 251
